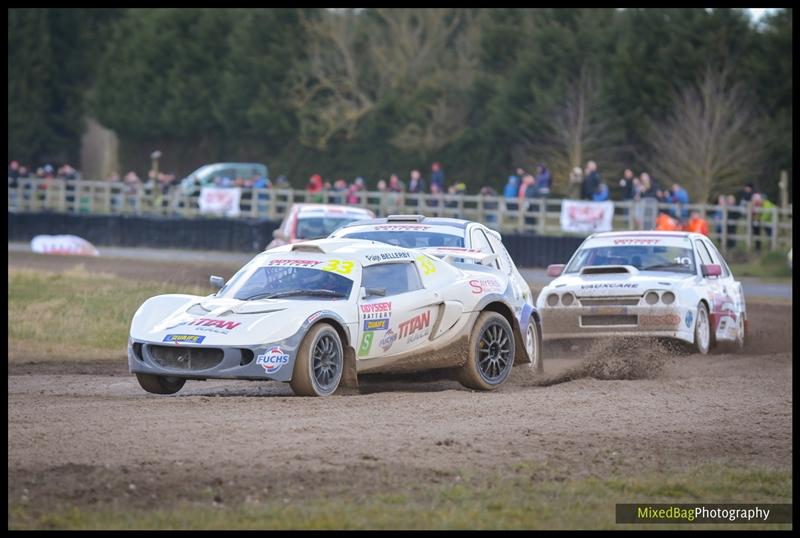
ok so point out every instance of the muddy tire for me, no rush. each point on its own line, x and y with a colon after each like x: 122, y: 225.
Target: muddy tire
x: 491, y: 353
x: 533, y: 346
x: 319, y: 364
x: 157, y: 384
x: 702, y: 330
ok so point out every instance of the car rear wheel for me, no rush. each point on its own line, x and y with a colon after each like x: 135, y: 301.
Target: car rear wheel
x: 158, y: 384
x: 319, y: 364
x: 491, y: 353
x: 702, y: 330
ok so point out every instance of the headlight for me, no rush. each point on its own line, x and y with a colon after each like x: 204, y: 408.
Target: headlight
x: 552, y: 299
x: 651, y: 297
x: 567, y: 299
x: 668, y: 297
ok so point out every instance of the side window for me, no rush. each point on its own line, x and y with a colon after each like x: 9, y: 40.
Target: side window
x: 702, y: 251
x: 716, y: 258
x: 395, y: 278
x: 480, y: 242
x: 502, y: 255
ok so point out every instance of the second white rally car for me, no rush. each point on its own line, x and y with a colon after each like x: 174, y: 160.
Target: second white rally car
x: 661, y: 284
x: 318, y: 313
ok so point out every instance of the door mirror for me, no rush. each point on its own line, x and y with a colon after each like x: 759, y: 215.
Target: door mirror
x: 278, y: 234
x: 711, y: 269
x: 217, y: 281
x: 555, y: 270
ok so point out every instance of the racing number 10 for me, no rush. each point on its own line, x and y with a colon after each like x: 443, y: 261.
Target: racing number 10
x: 339, y: 266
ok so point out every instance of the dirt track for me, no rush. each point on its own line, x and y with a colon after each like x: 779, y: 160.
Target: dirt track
x: 84, y: 435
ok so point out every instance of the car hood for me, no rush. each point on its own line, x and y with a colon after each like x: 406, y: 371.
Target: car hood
x: 217, y: 321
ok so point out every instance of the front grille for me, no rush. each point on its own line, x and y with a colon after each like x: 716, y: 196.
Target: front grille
x: 608, y: 301
x: 608, y: 321
x: 186, y: 358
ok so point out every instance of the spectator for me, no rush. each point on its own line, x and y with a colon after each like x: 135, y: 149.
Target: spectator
x: 13, y: 173
x: 395, y: 185
x: 282, y: 182
x: 766, y: 216
x: 680, y: 198
x: 600, y: 193
x: 626, y: 184
x: 665, y: 222
x: 649, y: 188
x: 435, y: 199
x: 591, y: 180
x: 510, y: 192
x: 543, y: 180
x: 697, y: 224
x: 314, y: 188
x: 68, y: 173
x: 437, y: 176
x: 529, y: 191
x: 416, y: 185
x: 394, y: 200
x: 490, y: 206
x: 339, y: 192
x: 746, y: 194
x: 761, y: 208
x: 23, y: 172
x: 382, y: 186
x: 575, y: 183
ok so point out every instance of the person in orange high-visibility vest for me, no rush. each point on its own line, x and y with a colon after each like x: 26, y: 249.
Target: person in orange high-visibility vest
x: 697, y: 224
x: 666, y: 223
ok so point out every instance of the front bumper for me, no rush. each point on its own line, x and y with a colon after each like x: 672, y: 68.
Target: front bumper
x: 211, y: 362
x: 566, y: 322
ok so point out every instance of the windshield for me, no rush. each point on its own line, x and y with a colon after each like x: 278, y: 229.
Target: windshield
x: 297, y: 282
x: 319, y: 227
x: 410, y: 239
x: 671, y: 259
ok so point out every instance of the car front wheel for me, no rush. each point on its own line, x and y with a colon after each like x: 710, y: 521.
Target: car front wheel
x: 158, y: 384
x: 319, y: 364
x: 533, y: 346
x: 702, y: 330
x: 491, y: 353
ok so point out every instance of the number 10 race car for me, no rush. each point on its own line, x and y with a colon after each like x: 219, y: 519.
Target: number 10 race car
x: 662, y: 284
x: 316, y: 314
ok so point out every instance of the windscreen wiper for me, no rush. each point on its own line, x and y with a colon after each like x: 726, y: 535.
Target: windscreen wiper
x: 289, y: 293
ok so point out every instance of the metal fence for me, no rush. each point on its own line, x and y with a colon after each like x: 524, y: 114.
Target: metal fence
x: 739, y: 226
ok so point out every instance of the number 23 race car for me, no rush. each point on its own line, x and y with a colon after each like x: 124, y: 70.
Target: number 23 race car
x: 316, y: 314
x: 661, y: 284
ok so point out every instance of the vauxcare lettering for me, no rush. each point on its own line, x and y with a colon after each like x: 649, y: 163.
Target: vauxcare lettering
x: 295, y: 263
x: 484, y: 285
x: 414, y: 324
x: 608, y: 285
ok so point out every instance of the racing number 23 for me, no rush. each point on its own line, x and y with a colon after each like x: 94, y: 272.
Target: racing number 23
x: 339, y: 266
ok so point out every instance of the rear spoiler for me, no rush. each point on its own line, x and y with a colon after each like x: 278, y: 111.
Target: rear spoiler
x: 449, y: 254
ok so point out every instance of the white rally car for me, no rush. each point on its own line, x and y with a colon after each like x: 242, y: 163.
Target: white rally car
x: 304, y: 222
x: 316, y: 314
x: 662, y: 284
x: 455, y: 240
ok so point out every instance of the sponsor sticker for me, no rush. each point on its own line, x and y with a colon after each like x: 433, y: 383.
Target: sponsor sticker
x: 604, y: 285
x: 376, y: 324
x: 387, y: 341
x: 636, y: 241
x: 401, y: 227
x: 366, y: 344
x: 184, y: 338
x: 666, y: 320
x: 272, y: 360
x: 484, y: 285
x: 384, y: 256
x: 314, y: 317
x: 371, y: 308
x: 417, y: 323
x: 295, y: 263
x: 688, y: 319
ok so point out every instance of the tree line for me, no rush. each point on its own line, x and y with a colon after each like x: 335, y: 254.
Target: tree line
x: 699, y: 96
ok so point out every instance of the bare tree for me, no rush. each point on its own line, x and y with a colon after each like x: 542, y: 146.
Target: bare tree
x: 408, y: 51
x: 711, y: 140
x: 576, y: 130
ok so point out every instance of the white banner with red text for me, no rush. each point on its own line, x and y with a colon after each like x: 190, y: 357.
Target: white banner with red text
x: 586, y: 217
x: 220, y: 201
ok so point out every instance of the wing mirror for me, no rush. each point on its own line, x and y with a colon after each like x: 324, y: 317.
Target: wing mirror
x: 278, y: 234
x: 711, y: 269
x: 555, y: 269
x: 217, y: 281
x: 373, y: 292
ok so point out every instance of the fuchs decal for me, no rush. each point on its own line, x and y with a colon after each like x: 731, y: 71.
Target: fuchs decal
x: 387, y: 341
x: 417, y: 323
x: 688, y: 319
x: 366, y: 344
x: 272, y: 360
x: 184, y: 338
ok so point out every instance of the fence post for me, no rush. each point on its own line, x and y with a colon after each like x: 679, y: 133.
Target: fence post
x: 521, y: 208
x: 480, y: 209
x: 542, y: 216
x: 774, y: 238
x: 724, y: 230
x: 748, y: 222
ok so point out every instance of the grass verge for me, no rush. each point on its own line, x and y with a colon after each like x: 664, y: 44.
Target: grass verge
x: 74, y: 314
x: 772, y: 265
x: 519, y: 502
